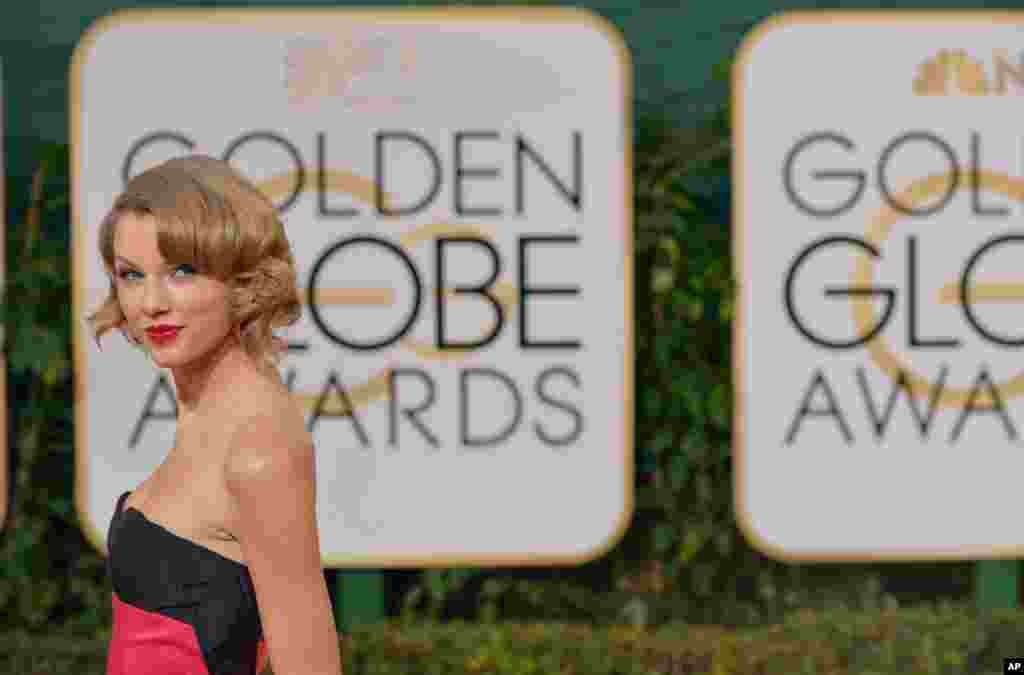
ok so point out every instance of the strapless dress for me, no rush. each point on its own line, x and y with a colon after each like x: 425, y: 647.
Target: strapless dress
x: 179, y: 608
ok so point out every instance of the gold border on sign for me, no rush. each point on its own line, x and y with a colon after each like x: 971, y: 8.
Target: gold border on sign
x: 740, y: 65
x: 82, y: 246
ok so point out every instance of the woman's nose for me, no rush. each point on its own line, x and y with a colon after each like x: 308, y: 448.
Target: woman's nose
x: 154, y: 298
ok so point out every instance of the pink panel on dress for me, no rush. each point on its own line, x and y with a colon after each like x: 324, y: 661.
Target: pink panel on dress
x: 262, y: 657
x: 147, y: 643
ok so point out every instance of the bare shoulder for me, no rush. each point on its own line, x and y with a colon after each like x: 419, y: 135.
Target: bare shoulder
x: 272, y: 492
x: 269, y: 437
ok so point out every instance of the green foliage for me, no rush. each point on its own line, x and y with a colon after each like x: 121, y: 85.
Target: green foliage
x: 684, y: 307
x: 51, y: 574
x: 435, y: 586
x: 944, y: 639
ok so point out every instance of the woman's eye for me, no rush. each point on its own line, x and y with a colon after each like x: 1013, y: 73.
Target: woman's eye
x: 191, y: 270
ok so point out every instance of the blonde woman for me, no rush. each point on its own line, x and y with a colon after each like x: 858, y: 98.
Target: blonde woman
x: 215, y: 557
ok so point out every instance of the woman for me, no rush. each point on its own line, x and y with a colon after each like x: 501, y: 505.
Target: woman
x: 214, y: 558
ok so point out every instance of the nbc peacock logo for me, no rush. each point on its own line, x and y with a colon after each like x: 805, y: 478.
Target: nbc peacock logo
x: 956, y: 72
x: 360, y: 71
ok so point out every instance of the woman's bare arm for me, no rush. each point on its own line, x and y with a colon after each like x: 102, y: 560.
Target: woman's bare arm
x: 271, y: 475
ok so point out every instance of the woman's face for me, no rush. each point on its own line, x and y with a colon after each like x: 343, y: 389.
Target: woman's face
x: 153, y: 293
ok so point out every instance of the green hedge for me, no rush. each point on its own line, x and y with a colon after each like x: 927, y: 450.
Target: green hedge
x: 928, y: 640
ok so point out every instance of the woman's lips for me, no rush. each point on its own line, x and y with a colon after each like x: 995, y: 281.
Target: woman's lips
x: 162, y: 334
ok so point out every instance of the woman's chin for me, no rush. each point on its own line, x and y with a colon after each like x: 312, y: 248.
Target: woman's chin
x: 164, y: 358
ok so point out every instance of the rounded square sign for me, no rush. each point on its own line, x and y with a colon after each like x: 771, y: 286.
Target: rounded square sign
x: 877, y: 245
x: 455, y: 186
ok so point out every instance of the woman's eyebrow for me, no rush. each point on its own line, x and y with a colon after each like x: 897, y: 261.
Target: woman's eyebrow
x: 129, y: 262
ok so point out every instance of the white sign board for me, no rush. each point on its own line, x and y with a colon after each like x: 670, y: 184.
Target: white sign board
x: 384, y: 136
x: 878, y: 342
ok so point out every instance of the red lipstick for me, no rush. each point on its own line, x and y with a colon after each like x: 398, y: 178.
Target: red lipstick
x: 162, y: 333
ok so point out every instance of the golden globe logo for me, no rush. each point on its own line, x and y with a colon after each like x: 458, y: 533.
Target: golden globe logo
x: 507, y: 298
x: 924, y: 198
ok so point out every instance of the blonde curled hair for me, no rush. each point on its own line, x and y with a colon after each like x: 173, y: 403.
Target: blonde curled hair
x: 211, y: 217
